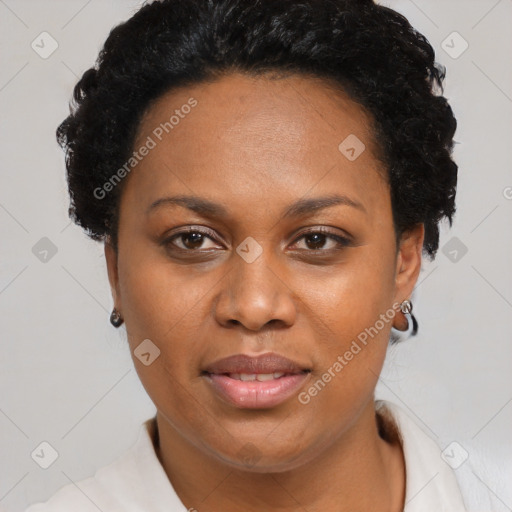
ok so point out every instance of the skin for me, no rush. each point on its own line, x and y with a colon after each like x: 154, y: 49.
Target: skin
x: 256, y: 145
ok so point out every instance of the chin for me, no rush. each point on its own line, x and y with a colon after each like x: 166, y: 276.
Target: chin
x: 253, y: 459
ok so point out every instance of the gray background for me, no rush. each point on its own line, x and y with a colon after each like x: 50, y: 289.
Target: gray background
x: 66, y: 375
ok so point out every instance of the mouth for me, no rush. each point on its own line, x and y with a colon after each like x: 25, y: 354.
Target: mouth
x: 260, y: 377
x: 256, y: 391
x: 255, y: 382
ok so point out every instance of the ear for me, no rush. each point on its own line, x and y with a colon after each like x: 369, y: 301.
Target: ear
x: 113, y: 274
x: 408, y: 267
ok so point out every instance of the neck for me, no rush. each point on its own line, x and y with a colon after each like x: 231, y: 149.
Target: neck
x: 359, y: 470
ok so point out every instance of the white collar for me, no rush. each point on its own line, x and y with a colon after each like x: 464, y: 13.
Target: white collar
x: 431, y: 484
x: 137, y: 482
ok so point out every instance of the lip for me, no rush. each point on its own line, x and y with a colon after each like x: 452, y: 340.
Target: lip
x: 269, y: 362
x: 255, y: 394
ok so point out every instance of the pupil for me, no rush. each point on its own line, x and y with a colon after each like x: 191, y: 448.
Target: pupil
x: 318, y: 240
x: 197, y: 239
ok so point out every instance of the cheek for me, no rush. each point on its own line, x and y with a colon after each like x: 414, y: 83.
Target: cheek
x: 157, y: 299
x: 161, y: 306
x: 354, y: 314
x: 355, y: 295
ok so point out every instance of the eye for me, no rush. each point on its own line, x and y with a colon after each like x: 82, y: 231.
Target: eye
x: 191, y: 239
x: 194, y: 239
x: 323, y: 240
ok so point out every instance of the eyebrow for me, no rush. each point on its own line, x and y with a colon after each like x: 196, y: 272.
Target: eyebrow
x: 301, y: 207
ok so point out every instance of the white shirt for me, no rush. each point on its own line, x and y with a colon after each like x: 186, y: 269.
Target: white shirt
x: 137, y: 482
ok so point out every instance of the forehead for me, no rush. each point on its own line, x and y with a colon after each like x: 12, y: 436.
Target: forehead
x: 249, y: 137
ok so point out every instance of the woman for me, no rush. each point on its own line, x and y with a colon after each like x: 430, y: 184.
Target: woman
x: 266, y: 177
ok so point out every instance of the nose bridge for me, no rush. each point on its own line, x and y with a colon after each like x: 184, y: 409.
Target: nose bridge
x: 253, y: 294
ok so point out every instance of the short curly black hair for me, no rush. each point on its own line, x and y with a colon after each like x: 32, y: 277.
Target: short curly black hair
x: 369, y: 50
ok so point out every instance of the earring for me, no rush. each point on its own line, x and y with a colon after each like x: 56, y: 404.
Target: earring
x: 115, y: 318
x: 406, y: 306
x: 406, y: 309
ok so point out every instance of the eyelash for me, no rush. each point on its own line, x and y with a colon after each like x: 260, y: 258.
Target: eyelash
x: 341, y: 241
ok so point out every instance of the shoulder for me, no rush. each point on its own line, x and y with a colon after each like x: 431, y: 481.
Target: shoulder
x: 436, y: 478
x: 133, y: 482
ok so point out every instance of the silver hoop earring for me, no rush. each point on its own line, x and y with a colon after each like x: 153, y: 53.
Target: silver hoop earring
x: 406, y: 309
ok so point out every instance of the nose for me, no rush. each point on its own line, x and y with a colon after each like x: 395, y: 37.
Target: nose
x: 254, y: 295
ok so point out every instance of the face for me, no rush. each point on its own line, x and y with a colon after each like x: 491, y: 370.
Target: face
x: 237, y: 270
